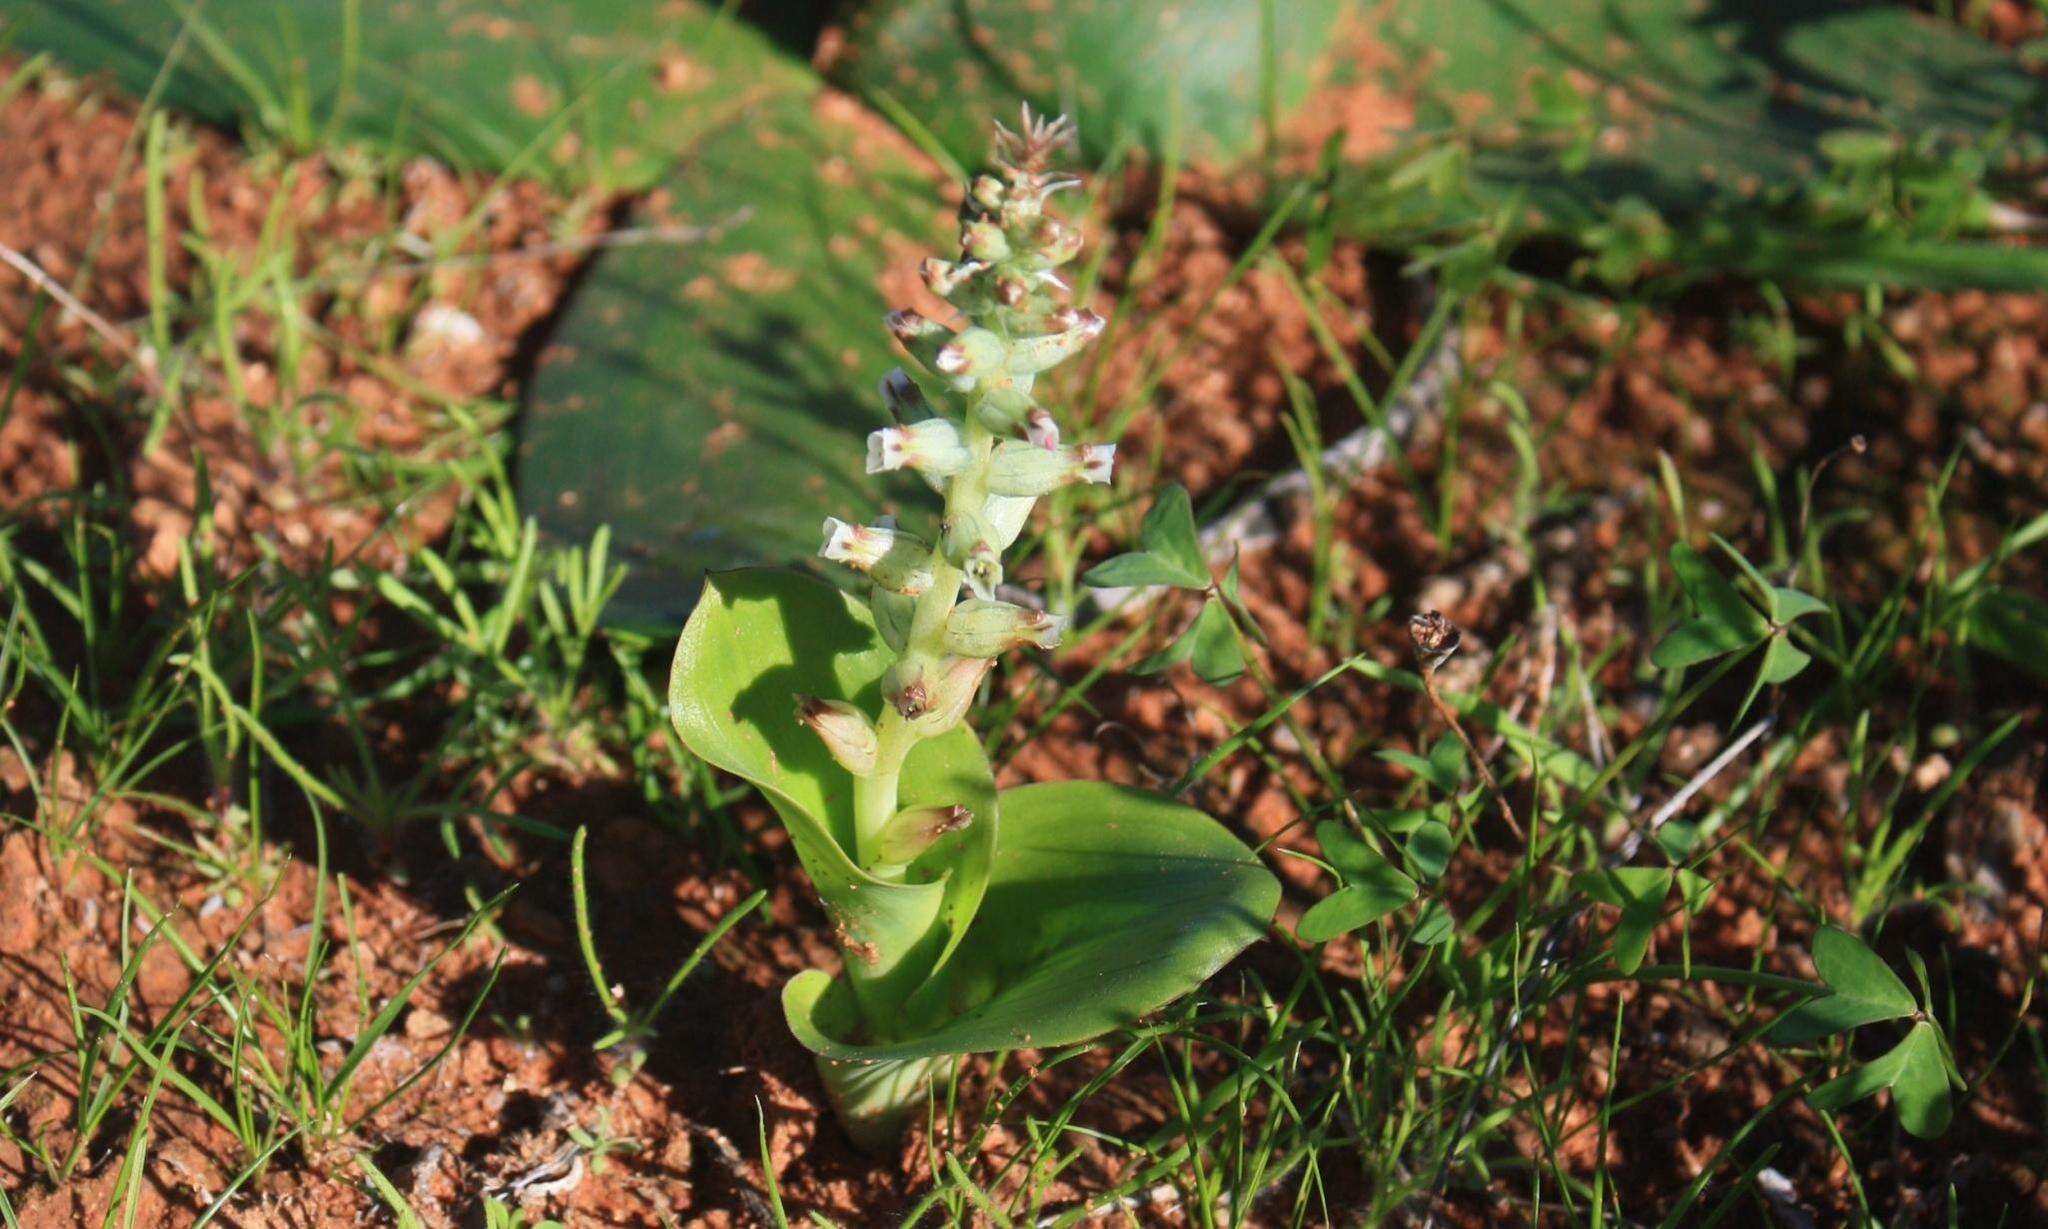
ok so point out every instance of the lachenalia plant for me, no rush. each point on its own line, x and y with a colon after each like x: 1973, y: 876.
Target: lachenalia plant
x: 967, y: 920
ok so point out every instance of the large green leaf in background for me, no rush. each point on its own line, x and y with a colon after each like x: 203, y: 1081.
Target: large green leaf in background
x: 580, y: 92
x: 1121, y: 68
x: 1684, y: 128
x: 708, y: 401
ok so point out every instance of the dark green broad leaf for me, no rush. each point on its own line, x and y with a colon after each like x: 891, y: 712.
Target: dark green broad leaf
x: 1169, y: 552
x: 762, y: 636
x: 572, y: 90
x: 1722, y: 621
x: 1760, y: 138
x: 1862, y: 989
x: 1915, y: 1070
x: 709, y: 401
x: 2011, y: 625
x: 1104, y: 904
x: 1134, y: 70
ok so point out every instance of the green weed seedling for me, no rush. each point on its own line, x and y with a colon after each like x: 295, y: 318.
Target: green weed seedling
x: 968, y: 920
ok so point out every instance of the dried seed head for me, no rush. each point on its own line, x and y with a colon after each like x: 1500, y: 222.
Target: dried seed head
x: 1436, y: 638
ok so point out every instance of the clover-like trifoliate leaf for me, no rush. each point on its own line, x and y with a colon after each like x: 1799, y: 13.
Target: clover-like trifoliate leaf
x: 1104, y: 903
x: 1722, y: 623
x: 1638, y: 892
x: 1210, y: 642
x: 1170, y: 552
x: 758, y: 638
x: 1915, y: 1070
x: 1862, y: 989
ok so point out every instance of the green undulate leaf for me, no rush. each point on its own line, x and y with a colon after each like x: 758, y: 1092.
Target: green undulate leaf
x: 1916, y: 1072
x: 1862, y: 989
x: 1170, y: 552
x: 1103, y: 904
x: 1125, y: 69
x: 707, y: 400
x: 1639, y: 892
x: 1668, y: 136
x: 758, y: 638
x: 583, y: 92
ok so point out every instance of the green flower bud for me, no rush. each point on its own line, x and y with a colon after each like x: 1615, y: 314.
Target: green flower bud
x: 1005, y: 516
x: 971, y: 355
x: 909, y: 833
x: 892, y: 559
x: 988, y: 192
x: 959, y: 535
x: 921, y: 338
x: 984, y: 240
x: 1023, y: 468
x: 893, y: 613
x: 845, y: 730
x: 1005, y: 400
x: 949, y: 692
x: 942, y: 278
x: 1073, y: 329
x: 979, y: 628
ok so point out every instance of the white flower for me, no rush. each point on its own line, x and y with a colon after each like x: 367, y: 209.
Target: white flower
x: 933, y: 446
x: 892, y: 559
